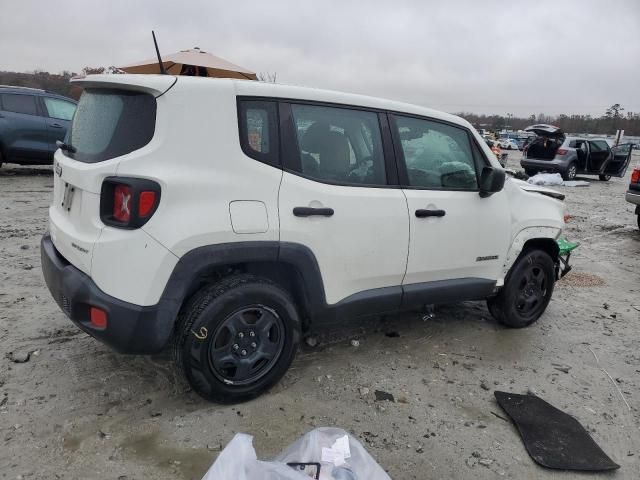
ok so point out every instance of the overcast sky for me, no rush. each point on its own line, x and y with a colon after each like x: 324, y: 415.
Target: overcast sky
x: 571, y: 56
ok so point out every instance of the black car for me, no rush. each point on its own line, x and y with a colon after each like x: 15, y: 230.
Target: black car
x: 31, y: 121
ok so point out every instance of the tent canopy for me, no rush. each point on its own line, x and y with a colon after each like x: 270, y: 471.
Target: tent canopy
x: 180, y: 63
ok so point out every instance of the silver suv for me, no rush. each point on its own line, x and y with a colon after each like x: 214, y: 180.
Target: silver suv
x: 553, y: 151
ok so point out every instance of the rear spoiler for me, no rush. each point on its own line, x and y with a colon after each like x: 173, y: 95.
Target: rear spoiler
x: 155, y: 84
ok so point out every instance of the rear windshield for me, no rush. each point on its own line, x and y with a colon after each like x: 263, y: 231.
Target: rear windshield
x: 109, y: 123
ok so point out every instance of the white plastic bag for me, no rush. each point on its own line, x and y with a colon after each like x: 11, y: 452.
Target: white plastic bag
x: 341, y: 457
x: 545, y: 179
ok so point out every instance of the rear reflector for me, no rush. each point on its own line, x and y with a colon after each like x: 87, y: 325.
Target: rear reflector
x: 98, y: 317
x: 635, y: 175
x: 561, y: 151
x: 122, y: 203
x: 146, y: 203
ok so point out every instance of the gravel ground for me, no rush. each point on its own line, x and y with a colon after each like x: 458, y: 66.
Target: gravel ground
x: 75, y: 409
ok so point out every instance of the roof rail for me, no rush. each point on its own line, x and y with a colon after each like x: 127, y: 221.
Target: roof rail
x: 17, y: 87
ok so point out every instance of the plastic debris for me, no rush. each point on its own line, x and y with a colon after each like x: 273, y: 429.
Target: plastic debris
x: 546, y: 179
x: 566, y: 246
x: 323, y: 453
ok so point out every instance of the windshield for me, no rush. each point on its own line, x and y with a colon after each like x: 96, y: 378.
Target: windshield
x: 110, y: 123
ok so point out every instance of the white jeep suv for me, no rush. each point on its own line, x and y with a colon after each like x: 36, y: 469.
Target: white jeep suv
x: 225, y: 217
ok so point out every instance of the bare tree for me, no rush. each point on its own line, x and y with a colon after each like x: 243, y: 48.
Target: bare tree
x: 267, y: 77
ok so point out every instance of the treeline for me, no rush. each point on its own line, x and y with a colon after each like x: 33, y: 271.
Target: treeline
x: 52, y: 82
x: 614, y: 118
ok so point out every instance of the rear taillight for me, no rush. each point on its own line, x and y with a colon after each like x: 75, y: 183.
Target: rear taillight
x: 128, y: 202
x: 635, y: 175
x: 561, y: 151
x: 122, y: 203
x: 146, y: 203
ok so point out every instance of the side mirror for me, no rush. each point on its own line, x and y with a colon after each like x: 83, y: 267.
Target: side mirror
x: 491, y: 181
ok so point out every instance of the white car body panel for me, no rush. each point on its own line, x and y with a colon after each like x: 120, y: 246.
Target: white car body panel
x: 361, y: 247
x: 213, y: 193
x: 463, y: 242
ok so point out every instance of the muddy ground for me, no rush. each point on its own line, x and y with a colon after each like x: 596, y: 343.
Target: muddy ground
x: 75, y: 409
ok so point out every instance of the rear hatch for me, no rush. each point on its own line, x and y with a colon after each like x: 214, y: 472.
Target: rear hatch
x: 116, y: 117
x: 545, y: 145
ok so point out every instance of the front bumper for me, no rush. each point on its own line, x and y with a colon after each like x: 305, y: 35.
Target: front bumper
x: 633, y: 197
x: 130, y: 328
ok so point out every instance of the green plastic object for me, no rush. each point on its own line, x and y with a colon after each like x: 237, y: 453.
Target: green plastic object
x: 566, y: 246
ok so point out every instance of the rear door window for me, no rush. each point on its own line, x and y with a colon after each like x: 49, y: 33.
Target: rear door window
x: 19, y: 103
x: 110, y: 123
x: 339, y: 145
x: 59, y: 109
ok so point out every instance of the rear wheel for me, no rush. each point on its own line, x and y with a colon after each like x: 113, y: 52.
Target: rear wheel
x: 236, y: 338
x: 604, y: 178
x: 527, y: 290
x: 638, y: 217
x: 530, y: 172
x: 571, y: 171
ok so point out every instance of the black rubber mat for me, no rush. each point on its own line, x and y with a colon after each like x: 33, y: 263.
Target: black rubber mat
x: 553, y: 438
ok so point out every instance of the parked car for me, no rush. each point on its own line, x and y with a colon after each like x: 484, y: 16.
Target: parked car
x: 633, y: 194
x: 31, y: 121
x: 508, y: 144
x: 227, y: 232
x: 553, y: 151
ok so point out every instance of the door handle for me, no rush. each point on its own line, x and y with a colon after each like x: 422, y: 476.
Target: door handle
x: 421, y: 213
x: 310, y: 211
x: 56, y: 125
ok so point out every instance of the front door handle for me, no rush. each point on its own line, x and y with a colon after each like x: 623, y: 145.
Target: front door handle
x: 310, y: 211
x: 56, y: 125
x: 421, y: 213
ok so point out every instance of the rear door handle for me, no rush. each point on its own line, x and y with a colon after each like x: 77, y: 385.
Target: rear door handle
x: 309, y: 211
x: 421, y: 213
x: 56, y: 125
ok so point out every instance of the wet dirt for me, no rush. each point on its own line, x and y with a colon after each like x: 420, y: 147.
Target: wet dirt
x: 76, y: 409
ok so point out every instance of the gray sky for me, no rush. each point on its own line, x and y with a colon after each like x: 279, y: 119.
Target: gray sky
x: 572, y: 56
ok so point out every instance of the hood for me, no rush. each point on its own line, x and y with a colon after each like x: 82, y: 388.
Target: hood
x: 544, y: 130
x: 527, y: 187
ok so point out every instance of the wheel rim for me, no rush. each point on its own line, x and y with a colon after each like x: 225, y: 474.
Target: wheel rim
x: 572, y: 171
x: 532, y: 291
x: 246, y: 345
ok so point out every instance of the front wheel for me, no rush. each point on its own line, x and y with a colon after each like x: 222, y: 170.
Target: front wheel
x: 236, y: 338
x: 604, y: 178
x: 526, y: 292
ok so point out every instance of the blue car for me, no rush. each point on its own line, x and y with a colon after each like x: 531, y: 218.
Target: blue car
x: 31, y: 121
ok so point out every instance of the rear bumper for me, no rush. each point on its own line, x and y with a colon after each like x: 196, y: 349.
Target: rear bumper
x: 549, y: 165
x: 130, y: 328
x: 633, y: 197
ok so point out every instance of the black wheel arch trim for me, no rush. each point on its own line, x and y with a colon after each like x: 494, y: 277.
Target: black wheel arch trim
x: 198, y: 262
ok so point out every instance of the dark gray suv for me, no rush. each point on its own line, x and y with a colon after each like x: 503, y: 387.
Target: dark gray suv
x: 553, y: 151
x: 31, y: 121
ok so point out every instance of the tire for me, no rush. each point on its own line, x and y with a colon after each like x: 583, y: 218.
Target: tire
x: 604, y: 178
x: 570, y: 172
x: 638, y: 217
x: 530, y: 172
x: 527, y: 290
x: 236, y: 338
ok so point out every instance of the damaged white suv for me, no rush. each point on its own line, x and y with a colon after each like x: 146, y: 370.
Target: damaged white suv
x: 226, y: 217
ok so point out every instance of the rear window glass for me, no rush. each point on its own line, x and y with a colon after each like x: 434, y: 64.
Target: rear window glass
x: 110, y: 123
